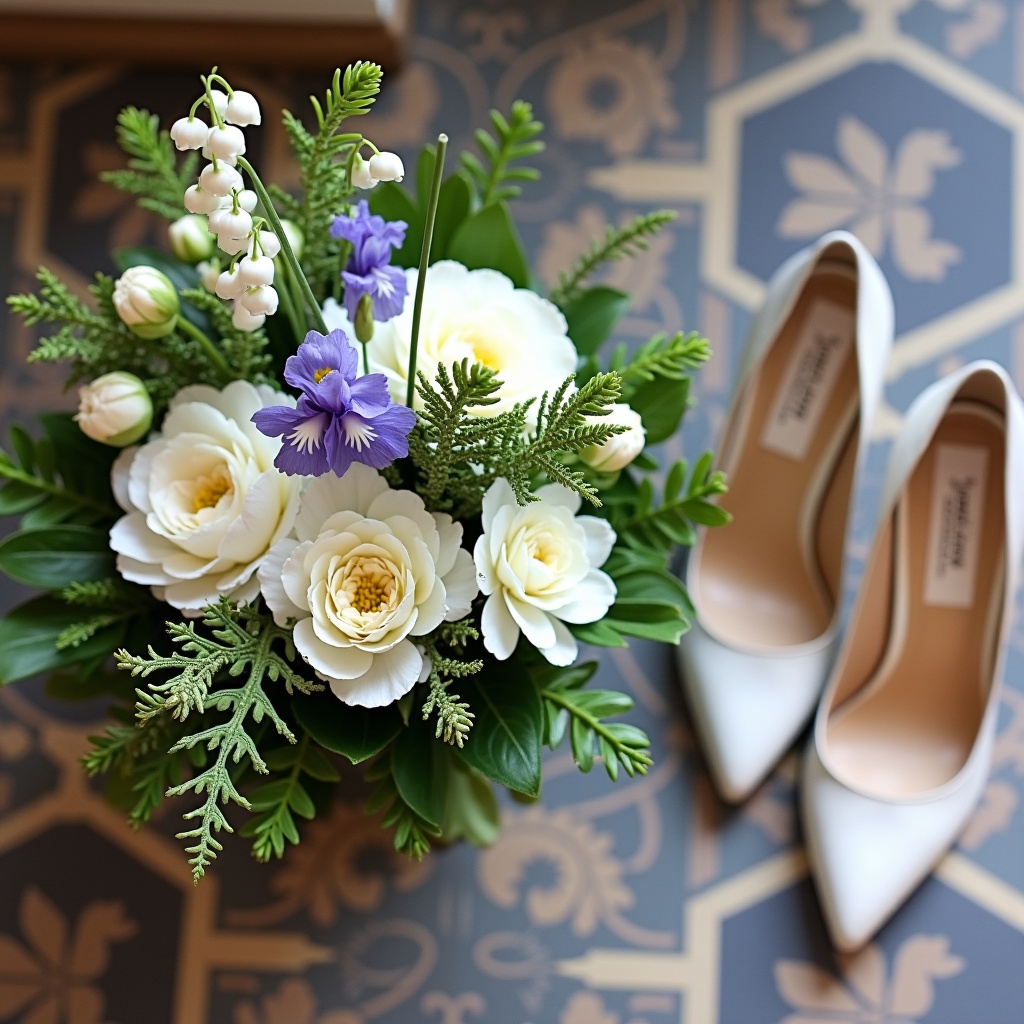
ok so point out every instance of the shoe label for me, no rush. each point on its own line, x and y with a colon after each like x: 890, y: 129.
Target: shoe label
x: 954, y: 528
x: 825, y: 342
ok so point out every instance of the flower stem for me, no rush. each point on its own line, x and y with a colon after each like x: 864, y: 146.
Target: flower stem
x: 286, y: 249
x: 290, y: 311
x: 212, y: 353
x: 421, y: 279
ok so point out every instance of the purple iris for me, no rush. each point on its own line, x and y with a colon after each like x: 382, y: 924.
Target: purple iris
x: 369, y: 271
x: 340, y: 417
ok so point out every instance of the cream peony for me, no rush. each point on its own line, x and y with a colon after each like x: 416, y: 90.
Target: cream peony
x: 204, y: 500
x: 539, y: 565
x: 367, y: 571
x: 476, y: 314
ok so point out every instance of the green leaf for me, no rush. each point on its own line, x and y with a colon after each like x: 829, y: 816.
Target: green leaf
x: 301, y: 803
x: 600, y: 634
x: 505, y: 744
x: 453, y: 206
x: 471, y: 808
x: 17, y: 498
x: 488, y: 239
x: 390, y: 201
x: 592, y: 316
x: 53, y: 557
x: 83, y: 464
x: 28, y: 639
x: 24, y: 448
x: 357, y: 733
x: 661, y: 404
x: 420, y: 769
x: 316, y: 765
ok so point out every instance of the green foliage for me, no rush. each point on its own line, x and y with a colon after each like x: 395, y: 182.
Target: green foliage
x: 324, y: 161
x: 592, y: 315
x: 661, y: 357
x: 584, y: 714
x: 63, y: 477
x: 153, y: 174
x: 242, y: 637
x: 616, y: 244
x: 412, y: 831
x: 513, y: 139
x: 245, y: 351
x: 505, y: 745
x: 454, y: 719
x: 354, y: 732
x: 459, y: 454
x: 47, y: 557
x: 97, y: 342
x: 488, y: 239
x: 276, y: 803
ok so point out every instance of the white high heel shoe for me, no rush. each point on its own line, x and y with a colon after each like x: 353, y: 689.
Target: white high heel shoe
x: 903, y: 739
x: 767, y: 587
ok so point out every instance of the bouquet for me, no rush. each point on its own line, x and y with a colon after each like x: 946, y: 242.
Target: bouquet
x: 344, y: 485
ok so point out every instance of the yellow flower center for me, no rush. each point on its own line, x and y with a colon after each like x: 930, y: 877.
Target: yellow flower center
x: 319, y: 375
x: 369, y: 596
x: 369, y: 585
x: 210, y: 490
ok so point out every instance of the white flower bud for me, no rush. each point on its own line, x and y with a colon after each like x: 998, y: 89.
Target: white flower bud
x: 270, y: 243
x: 220, y: 180
x: 618, y: 451
x: 228, y: 284
x: 115, y: 409
x: 296, y: 239
x: 244, y: 320
x: 198, y: 201
x: 146, y: 302
x: 242, y: 109
x: 260, y: 300
x: 209, y: 271
x: 226, y: 141
x: 232, y: 246
x: 254, y: 272
x: 361, y: 176
x: 220, y: 101
x: 387, y: 167
x: 247, y: 200
x: 189, y: 133
x: 190, y: 240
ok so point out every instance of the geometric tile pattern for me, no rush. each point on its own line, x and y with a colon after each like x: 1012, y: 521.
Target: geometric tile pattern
x: 762, y: 123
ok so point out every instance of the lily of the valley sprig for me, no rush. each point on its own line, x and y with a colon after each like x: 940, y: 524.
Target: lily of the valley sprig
x: 343, y: 485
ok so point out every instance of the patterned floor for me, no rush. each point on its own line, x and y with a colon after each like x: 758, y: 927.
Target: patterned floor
x: 763, y: 123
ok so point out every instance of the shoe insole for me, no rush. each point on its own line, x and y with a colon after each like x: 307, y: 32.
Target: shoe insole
x: 912, y: 725
x: 771, y: 577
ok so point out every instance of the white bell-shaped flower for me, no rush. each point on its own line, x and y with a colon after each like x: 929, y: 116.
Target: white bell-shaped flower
x: 387, y: 167
x: 229, y: 285
x: 232, y: 246
x: 361, y: 176
x: 255, y: 272
x: 233, y: 225
x: 220, y: 101
x: 189, y: 133
x: 244, y: 320
x: 247, y: 200
x: 209, y: 271
x: 226, y: 141
x: 260, y: 300
x: 220, y: 180
x: 269, y: 243
x: 242, y: 109
x: 198, y: 201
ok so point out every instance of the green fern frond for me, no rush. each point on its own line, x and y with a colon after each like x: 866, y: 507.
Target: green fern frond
x: 513, y: 139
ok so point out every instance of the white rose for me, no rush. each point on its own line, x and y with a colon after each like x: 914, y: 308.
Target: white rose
x: 367, y: 571
x: 618, y: 451
x: 114, y: 409
x: 477, y: 314
x: 539, y: 566
x: 204, y: 500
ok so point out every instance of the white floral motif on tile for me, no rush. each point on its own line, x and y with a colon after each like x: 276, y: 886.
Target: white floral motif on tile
x: 881, y: 199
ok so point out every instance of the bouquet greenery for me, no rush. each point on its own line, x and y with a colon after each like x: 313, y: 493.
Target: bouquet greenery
x: 372, y: 484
